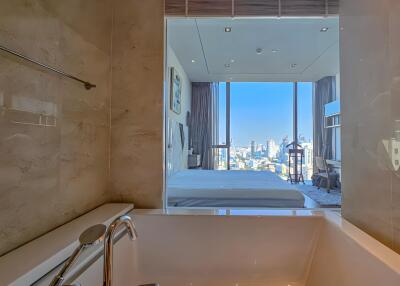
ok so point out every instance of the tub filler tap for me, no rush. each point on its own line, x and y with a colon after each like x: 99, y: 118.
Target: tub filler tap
x: 108, y: 245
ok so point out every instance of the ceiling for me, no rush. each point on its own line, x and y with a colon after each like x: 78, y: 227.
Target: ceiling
x: 292, y: 49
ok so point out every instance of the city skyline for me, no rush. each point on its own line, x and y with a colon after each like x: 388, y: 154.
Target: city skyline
x: 267, y: 156
x: 301, y: 139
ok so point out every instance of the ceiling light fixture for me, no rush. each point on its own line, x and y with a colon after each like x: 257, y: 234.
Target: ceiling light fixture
x: 324, y: 29
x: 228, y: 29
x: 193, y: 61
x: 232, y: 60
x: 259, y: 51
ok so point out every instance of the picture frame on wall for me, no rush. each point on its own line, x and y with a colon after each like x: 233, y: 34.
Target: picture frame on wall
x: 175, y: 91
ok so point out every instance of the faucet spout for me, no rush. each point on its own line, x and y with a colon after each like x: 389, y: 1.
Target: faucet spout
x: 126, y: 221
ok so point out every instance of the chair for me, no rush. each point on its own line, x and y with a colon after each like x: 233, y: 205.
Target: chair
x: 323, y: 173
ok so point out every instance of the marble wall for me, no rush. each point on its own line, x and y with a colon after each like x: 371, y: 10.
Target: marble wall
x: 54, y: 134
x: 65, y: 150
x: 137, y: 103
x: 370, y: 98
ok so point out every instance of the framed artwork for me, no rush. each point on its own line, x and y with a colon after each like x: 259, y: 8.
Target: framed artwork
x: 175, y: 91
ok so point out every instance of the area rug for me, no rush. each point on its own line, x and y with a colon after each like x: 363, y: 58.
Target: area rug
x: 322, y: 197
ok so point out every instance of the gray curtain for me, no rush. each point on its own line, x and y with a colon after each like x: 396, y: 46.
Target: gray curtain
x: 325, y: 92
x: 201, y: 127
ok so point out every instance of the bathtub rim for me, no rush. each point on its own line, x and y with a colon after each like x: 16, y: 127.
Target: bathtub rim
x: 30, y: 262
x: 333, y: 217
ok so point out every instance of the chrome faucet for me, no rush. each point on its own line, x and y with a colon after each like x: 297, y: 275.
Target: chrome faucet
x: 92, y: 236
x: 108, y: 245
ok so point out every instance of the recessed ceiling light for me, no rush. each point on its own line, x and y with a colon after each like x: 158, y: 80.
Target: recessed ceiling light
x: 324, y: 29
x: 274, y: 50
x: 259, y: 51
x: 228, y: 29
x: 293, y: 66
x: 227, y: 65
x: 193, y: 61
x: 232, y: 60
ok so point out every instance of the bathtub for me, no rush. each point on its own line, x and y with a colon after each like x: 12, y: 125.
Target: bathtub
x: 245, y: 248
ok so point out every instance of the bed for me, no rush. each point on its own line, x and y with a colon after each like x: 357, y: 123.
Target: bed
x: 211, y: 188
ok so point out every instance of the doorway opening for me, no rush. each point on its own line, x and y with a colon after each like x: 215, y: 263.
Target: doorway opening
x: 252, y: 113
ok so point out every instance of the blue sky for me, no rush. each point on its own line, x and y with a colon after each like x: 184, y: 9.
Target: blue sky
x: 261, y: 111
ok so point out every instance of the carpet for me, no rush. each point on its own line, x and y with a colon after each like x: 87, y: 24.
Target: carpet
x: 321, y: 196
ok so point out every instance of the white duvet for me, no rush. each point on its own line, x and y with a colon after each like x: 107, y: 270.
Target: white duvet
x: 245, y: 185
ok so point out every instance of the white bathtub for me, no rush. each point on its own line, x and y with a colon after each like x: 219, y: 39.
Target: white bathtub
x: 253, y: 248
x: 280, y: 248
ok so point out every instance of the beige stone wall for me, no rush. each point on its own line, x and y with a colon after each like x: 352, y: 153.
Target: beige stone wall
x: 370, y: 97
x: 51, y: 174
x: 137, y: 103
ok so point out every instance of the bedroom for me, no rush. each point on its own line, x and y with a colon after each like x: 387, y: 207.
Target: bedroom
x: 241, y: 93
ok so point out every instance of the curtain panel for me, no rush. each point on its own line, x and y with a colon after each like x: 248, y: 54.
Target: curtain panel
x: 325, y: 92
x: 202, y: 129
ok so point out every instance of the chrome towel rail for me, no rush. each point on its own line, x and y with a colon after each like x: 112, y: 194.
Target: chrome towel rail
x: 86, y: 84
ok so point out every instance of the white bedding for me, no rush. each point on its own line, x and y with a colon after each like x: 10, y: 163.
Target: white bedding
x: 210, y: 188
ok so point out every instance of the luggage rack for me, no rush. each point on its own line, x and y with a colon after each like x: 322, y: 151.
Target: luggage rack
x: 296, y: 156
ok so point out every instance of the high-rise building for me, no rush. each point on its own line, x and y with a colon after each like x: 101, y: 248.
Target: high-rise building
x: 272, y: 149
x: 308, y: 160
x: 308, y: 153
x: 253, y: 148
x: 283, y: 150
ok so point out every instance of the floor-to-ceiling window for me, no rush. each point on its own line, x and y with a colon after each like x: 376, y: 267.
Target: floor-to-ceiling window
x: 305, y: 126
x: 222, y: 148
x: 261, y: 126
